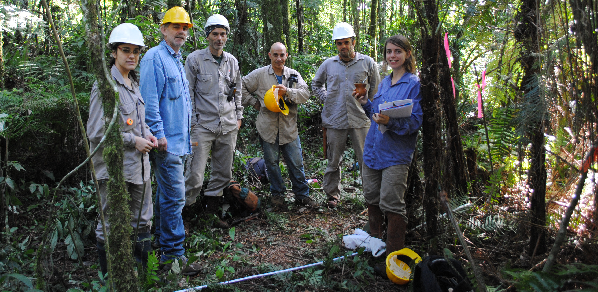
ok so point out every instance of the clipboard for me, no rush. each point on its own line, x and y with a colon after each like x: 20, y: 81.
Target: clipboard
x: 397, y: 109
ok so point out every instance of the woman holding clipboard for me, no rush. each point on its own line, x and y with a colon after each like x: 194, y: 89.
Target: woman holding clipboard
x: 388, y: 153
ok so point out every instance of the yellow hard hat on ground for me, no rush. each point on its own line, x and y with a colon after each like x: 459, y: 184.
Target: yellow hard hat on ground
x: 275, y: 103
x: 177, y: 15
x: 397, y: 265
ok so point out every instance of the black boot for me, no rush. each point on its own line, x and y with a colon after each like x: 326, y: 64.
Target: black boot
x: 102, y: 258
x: 213, y: 207
x: 143, y: 246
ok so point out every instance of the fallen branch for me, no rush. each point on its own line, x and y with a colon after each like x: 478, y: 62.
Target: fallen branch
x: 476, y: 271
x: 590, y: 158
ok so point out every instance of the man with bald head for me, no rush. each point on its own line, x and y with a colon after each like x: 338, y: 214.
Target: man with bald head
x: 278, y: 132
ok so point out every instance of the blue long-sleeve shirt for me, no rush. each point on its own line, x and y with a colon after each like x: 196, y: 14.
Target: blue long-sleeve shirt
x: 165, y: 90
x: 397, y: 144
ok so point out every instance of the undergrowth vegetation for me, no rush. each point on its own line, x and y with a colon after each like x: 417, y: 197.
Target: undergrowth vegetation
x: 46, y: 233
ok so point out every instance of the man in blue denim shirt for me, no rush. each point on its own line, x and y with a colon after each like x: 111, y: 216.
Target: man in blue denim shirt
x: 165, y: 90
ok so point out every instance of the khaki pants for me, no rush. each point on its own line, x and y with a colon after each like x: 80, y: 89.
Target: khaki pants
x: 386, y: 188
x: 336, y: 142
x: 136, y: 192
x: 222, y: 147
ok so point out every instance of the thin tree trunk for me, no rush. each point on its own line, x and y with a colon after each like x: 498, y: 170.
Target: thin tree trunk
x: 1, y: 60
x: 299, y: 26
x: 372, y: 30
x: 119, y: 248
x: 382, y: 7
x: 286, y: 27
x: 345, y: 3
x: 527, y: 34
x: 458, y: 165
x: 355, y: 14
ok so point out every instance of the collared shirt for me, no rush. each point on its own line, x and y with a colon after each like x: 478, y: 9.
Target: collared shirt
x: 270, y: 124
x: 396, y: 145
x: 165, y: 90
x: 209, y: 84
x: 334, y: 84
x: 132, y: 124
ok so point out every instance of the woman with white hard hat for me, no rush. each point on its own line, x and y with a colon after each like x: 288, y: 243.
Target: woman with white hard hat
x: 125, y: 44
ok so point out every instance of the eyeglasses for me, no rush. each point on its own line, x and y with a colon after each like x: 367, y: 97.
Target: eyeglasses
x: 128, y: 51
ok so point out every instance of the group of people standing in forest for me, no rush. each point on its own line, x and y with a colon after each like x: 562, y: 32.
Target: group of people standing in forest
x: 179, y: 115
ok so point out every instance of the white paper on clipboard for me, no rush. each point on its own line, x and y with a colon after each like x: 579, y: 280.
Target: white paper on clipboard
x: 396, y: 109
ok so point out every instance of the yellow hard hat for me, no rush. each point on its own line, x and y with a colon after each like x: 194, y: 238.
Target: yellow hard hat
x: 397, y: 265
x: 177, y: 15
x: 275, y: 104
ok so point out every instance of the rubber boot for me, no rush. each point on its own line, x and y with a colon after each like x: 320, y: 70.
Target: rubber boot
x: 395, y: 234
x: 143, y: 246
x: 213, y: 210
x: 395, y: 239
x: 375, y: 218
x: 102, y: 258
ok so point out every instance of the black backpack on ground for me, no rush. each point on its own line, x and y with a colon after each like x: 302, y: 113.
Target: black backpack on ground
x: 438, y: 274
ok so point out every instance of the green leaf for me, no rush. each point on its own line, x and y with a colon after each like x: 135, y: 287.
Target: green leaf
x: 10, y: 183
x: 78, y: 244
x: 33, y: 188
x: 49, y: 174
x: 309, y: 241
x: 59, y: 228
x: 231, y: 233
x: 16, y: 165
x: 21, y: 278
x: 13, y: 229
x: 220, y: 272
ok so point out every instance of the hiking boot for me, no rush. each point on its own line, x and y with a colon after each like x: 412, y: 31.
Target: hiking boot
x: 190, y: 269
x: 332, y: 202
x: 305, y: 201
x: 278, y: 202
x: 213, y: 208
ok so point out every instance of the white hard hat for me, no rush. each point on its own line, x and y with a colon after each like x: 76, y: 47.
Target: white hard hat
x: 217, y: 19
x: 342, y: 30
x: 126, y: 33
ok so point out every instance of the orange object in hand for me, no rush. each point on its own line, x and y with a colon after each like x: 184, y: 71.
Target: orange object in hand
x: 129, y: 122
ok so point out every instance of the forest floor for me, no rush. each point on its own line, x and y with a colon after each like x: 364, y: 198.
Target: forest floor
x: 278, y: 239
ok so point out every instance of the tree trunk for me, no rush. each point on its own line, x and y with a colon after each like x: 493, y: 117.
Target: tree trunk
x: 299, y: 26
x: 372, y: 30
x: 413, y: 194
x: 239, y: 37
x: 118, y: 240
x: 382, y: 7
x: 1, y: 61
x: 272, y: 13
x: 431, y: 121
x: 173, y: 3
x: 345, y: 3
x: 134, y: 7
x: 355, y: 14
x: 458, y: 166
x: 527, y: 34
x: 286, y: 28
